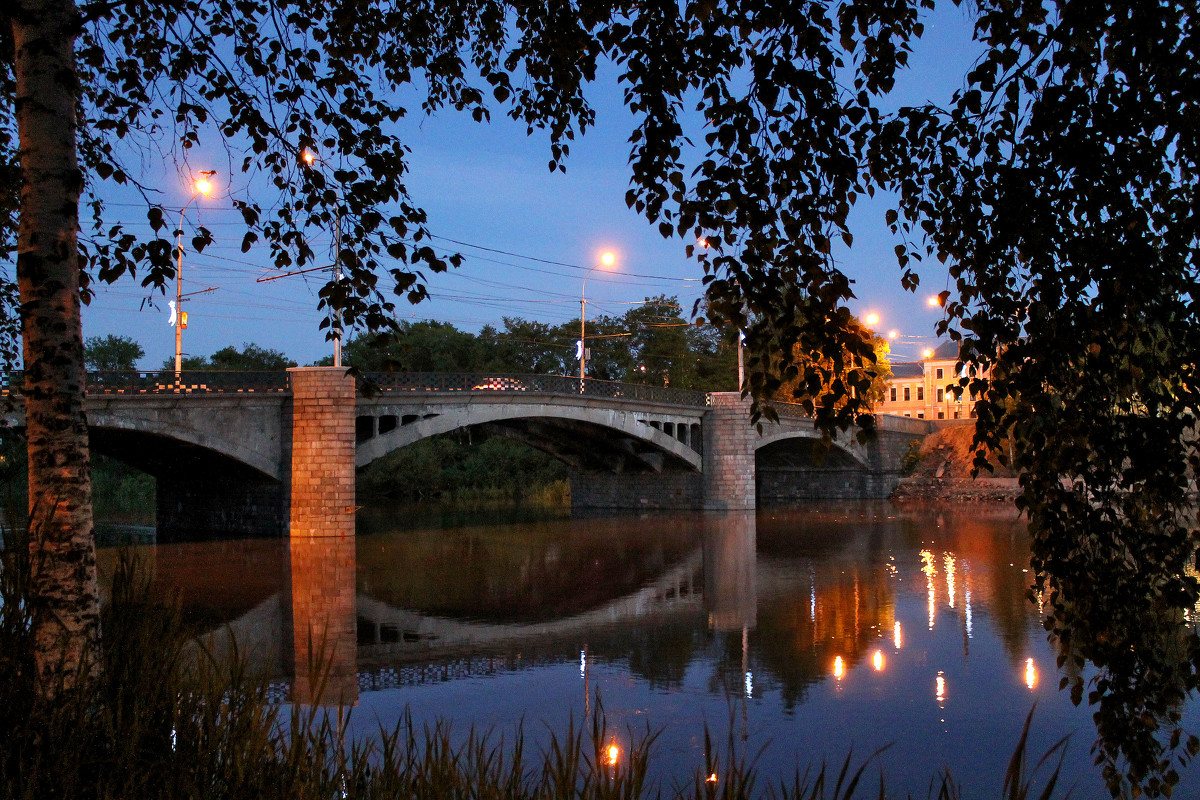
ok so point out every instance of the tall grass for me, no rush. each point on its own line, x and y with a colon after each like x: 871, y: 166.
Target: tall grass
x: 164, y: 720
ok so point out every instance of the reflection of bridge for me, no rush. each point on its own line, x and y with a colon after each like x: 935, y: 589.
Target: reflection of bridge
x: 395, y: 631
x: 235, y: 452
x: 325, y: 623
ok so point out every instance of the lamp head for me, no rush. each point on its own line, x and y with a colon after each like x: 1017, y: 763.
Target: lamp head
x: 204, y: 185
x: 608, y: 259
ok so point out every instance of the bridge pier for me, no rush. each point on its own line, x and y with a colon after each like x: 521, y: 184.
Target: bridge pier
x: 729, y: 441
x: 321, y: 490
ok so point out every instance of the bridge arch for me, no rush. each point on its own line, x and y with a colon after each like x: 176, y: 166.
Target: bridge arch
x: 228, y: 429
x: 595, y: 435
x: 844, y: 446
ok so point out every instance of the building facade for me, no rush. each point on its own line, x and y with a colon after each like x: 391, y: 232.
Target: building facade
x: 923, y: 389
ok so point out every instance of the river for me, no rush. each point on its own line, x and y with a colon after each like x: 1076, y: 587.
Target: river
x: 794, y: 636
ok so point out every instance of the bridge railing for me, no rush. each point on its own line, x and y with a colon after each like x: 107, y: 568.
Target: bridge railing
x: 539, y: 384
x: 167, y: 382
x: 890, y: 422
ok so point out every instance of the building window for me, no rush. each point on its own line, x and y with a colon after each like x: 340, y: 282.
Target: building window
x: 956, y: 414
x: 907, y: 396
x: 920, y: 392
x: 941, y: 396
x: 893, y: 394
x: 938, y: 373
x: 941, y: 415
x: 907, y: 414
x: 920, y: 415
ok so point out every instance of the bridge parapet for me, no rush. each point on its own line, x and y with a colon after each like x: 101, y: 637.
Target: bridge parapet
x: 541, y: 384
x: 168, y: 382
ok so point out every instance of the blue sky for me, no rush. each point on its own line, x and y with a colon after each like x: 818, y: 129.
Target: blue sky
x: 488, y: 186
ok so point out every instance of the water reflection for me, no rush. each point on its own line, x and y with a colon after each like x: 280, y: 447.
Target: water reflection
x: 322, y: 624
x: 809, y: 634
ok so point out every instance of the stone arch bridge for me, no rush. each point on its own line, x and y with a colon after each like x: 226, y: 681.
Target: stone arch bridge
x: 264, y: 453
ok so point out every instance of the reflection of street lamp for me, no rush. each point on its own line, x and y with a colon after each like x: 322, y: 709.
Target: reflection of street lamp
x: 606, y: 260
x: 200, y: 187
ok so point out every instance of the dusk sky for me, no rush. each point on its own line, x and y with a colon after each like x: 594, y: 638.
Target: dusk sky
x: 488, y: 186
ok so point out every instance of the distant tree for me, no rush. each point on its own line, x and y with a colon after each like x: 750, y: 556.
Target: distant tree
x: 527, y: 346
x: 251, y: 358
x: 416, y: 347
x: 870, y: 360
x: 112, y: 352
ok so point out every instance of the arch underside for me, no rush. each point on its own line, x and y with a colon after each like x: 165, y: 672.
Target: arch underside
x: 611, y: 442
x: 806, y: 450
x: 161, y: 455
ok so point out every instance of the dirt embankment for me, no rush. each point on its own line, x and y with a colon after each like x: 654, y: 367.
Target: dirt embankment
x: 943, y: 472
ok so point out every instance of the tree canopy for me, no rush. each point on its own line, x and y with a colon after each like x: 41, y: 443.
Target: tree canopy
x: 1059, y: 185
x: 112, y: 352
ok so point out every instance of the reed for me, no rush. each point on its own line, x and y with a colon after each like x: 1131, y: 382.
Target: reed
x: 164, y: 719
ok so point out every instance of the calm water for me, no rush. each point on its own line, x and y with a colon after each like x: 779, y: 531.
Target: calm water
x: 797, y: 635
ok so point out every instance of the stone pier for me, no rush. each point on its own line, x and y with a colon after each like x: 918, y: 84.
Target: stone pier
x: 729, y: 441
x: 321, y: 518
x: 322, y: 464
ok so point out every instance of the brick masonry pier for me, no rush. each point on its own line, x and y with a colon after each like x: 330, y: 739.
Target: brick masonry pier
x: 322, y: 452
x: 321, y: 526
x: 729, y: 440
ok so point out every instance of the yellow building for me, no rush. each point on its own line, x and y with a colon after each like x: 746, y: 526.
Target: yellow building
x: 922, y: 389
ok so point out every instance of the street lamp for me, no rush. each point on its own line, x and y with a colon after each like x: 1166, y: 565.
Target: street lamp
x: 606, y: 260
x: 310, y: 159
x: 200, y: 187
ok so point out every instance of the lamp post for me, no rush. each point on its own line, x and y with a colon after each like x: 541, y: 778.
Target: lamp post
x: 606, y: 260
x: 310, y: 159
x: 200, y: 187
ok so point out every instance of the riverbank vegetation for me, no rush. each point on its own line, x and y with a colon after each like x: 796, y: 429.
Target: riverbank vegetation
x: 467, y: 470
x: 162, y: 719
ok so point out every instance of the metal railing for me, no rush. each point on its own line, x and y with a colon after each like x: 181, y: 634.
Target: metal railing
x: 167, y: 382
x: 562, y: 385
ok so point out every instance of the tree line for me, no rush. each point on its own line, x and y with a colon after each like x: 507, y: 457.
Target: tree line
x: 652, y: 343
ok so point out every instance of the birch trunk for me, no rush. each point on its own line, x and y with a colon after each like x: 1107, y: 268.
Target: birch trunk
x: 65, y: 598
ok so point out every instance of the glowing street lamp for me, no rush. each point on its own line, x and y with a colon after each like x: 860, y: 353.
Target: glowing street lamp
x: 201, y: 187
x: 310, y: 159
x: 606, y: 261
x: 872, y: 319
x: 927, y: 353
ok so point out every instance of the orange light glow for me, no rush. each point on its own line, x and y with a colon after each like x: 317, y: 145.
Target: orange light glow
x: 711, y: 778
x: 892, y: 334
x: 612, y: 755
x: 934, y: 301
x: 308, y: 157
x: 204, y: 186
x: 839, y: 668
x: 927, y: 353
x: 1030, y: 673
x: 896, y: 639
x: 872, y: 319
x: 877, y: 660
x: 608, y: 259
x: 941, y: 687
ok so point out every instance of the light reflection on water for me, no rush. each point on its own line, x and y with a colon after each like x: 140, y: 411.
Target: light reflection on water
x: 799, y: 635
